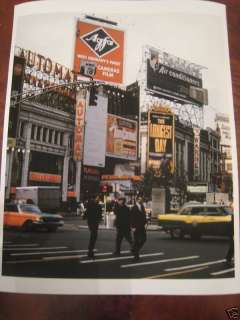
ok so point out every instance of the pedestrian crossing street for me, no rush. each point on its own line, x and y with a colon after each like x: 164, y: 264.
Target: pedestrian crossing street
x: 14, y: 254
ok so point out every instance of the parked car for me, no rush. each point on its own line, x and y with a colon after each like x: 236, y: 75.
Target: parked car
x: 29, y: 217
x: 197, y: 219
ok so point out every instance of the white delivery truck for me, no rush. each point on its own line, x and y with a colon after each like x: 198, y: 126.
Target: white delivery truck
x: 47, y: 198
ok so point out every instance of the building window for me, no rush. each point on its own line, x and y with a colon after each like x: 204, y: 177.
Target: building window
x: 45, y: 134
x: 38, y: 133
x: 56, y: 138
x: 61, y: 138
x: 50, y: 136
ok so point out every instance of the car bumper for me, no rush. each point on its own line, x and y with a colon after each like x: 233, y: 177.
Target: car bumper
x: 43, y: 224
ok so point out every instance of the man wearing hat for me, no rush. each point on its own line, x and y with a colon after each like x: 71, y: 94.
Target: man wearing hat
x: 123, y: 224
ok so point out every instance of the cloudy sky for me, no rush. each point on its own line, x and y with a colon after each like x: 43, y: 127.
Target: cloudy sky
x: 196, y: 37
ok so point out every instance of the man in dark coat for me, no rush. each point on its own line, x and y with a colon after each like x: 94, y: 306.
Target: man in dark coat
x: 138, y: 223
x: 94, y: 216
x: 123, y: 224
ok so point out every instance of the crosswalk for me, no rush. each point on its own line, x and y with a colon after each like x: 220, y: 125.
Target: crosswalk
x: 166, y: 266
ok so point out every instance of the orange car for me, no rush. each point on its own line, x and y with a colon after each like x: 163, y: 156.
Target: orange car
x: 29, y: 217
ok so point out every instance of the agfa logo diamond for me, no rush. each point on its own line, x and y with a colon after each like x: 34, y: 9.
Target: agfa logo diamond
x: 100, y: 42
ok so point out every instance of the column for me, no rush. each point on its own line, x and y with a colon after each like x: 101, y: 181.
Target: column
x: 41, y: 134
x: 35, y: 133
x: 9, y: 164
x: 78, y: 179
x: 26, y: 155
x: 47, y: 135
x: 65, y: 168
x: 58, y: 138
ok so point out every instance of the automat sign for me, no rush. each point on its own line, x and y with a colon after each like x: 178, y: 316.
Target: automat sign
x: 79, y: 124
x: 103, y: 45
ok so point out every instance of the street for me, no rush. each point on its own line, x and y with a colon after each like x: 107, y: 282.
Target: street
x: 64, y: 255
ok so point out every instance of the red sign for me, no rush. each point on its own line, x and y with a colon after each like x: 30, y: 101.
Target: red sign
x: 103, y: 45
x: 45, y: 177
x: 79, y: 124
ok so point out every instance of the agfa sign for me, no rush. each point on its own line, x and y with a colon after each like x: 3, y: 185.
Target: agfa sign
x: 102, y: 45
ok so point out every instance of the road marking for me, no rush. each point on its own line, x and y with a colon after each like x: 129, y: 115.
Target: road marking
x: 20, y: 245
x: 121, y: 258
x: 45, y: 252
x: 176, y: 273
x: 196, y: 265
x: 157, y: 261
x: 46, y: 259
x: 222, y: 272
x: 40, y: 248
x: 73, y: 257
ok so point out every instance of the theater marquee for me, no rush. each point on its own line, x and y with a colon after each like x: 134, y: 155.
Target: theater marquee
x: 160, y: 140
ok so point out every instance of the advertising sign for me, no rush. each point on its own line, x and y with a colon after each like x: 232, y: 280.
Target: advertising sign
x: 41, y: 72
x: 169, y: 81
x: 160, y: 142
x: 96, y: 133
x: 122, y: 135
x: 103, y: 45
x: 44, y: 177
x: 79, y: 125
x: 196, y: 153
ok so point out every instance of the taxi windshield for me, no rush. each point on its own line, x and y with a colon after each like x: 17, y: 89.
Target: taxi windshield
x: 30, y: 208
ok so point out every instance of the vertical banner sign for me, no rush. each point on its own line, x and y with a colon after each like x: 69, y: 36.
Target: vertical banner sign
x: 96, y: 133
x: 103, y: 45
x: 160, y: 142
x: 196, y: 153
x: 79, y: 124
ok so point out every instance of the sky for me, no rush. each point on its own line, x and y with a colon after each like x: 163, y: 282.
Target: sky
x: 194, y: 37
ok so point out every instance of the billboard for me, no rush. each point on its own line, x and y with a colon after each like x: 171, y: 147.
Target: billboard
x: 103, y: 45
x: 122, y: 136
x: 172, y: 81
x: 96, y: 133
x: 160, y: 142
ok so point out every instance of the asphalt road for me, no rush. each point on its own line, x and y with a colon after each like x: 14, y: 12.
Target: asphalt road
x: 64, y: 255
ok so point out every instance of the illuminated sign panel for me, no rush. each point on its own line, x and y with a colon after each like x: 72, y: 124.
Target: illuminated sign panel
x: 160, y: 142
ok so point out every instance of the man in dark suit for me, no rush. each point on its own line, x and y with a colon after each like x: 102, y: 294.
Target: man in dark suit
x: 94, y: 216
x: 138, y: 223
x: 123, y: 224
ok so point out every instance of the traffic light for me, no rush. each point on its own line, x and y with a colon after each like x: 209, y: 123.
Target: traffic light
x: 93, y: 96
x: 106, y: 188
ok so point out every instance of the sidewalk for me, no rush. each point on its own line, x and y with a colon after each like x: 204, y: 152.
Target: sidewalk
x: 73, y: 222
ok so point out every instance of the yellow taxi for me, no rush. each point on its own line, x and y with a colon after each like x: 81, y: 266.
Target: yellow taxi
x: 196, y: 220
x: 29, y: 217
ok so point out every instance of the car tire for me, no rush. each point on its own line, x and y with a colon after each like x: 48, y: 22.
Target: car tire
x: 177, y: 233
x: 27, y: 226
x: 195, y: 234
x: 52, y: 229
